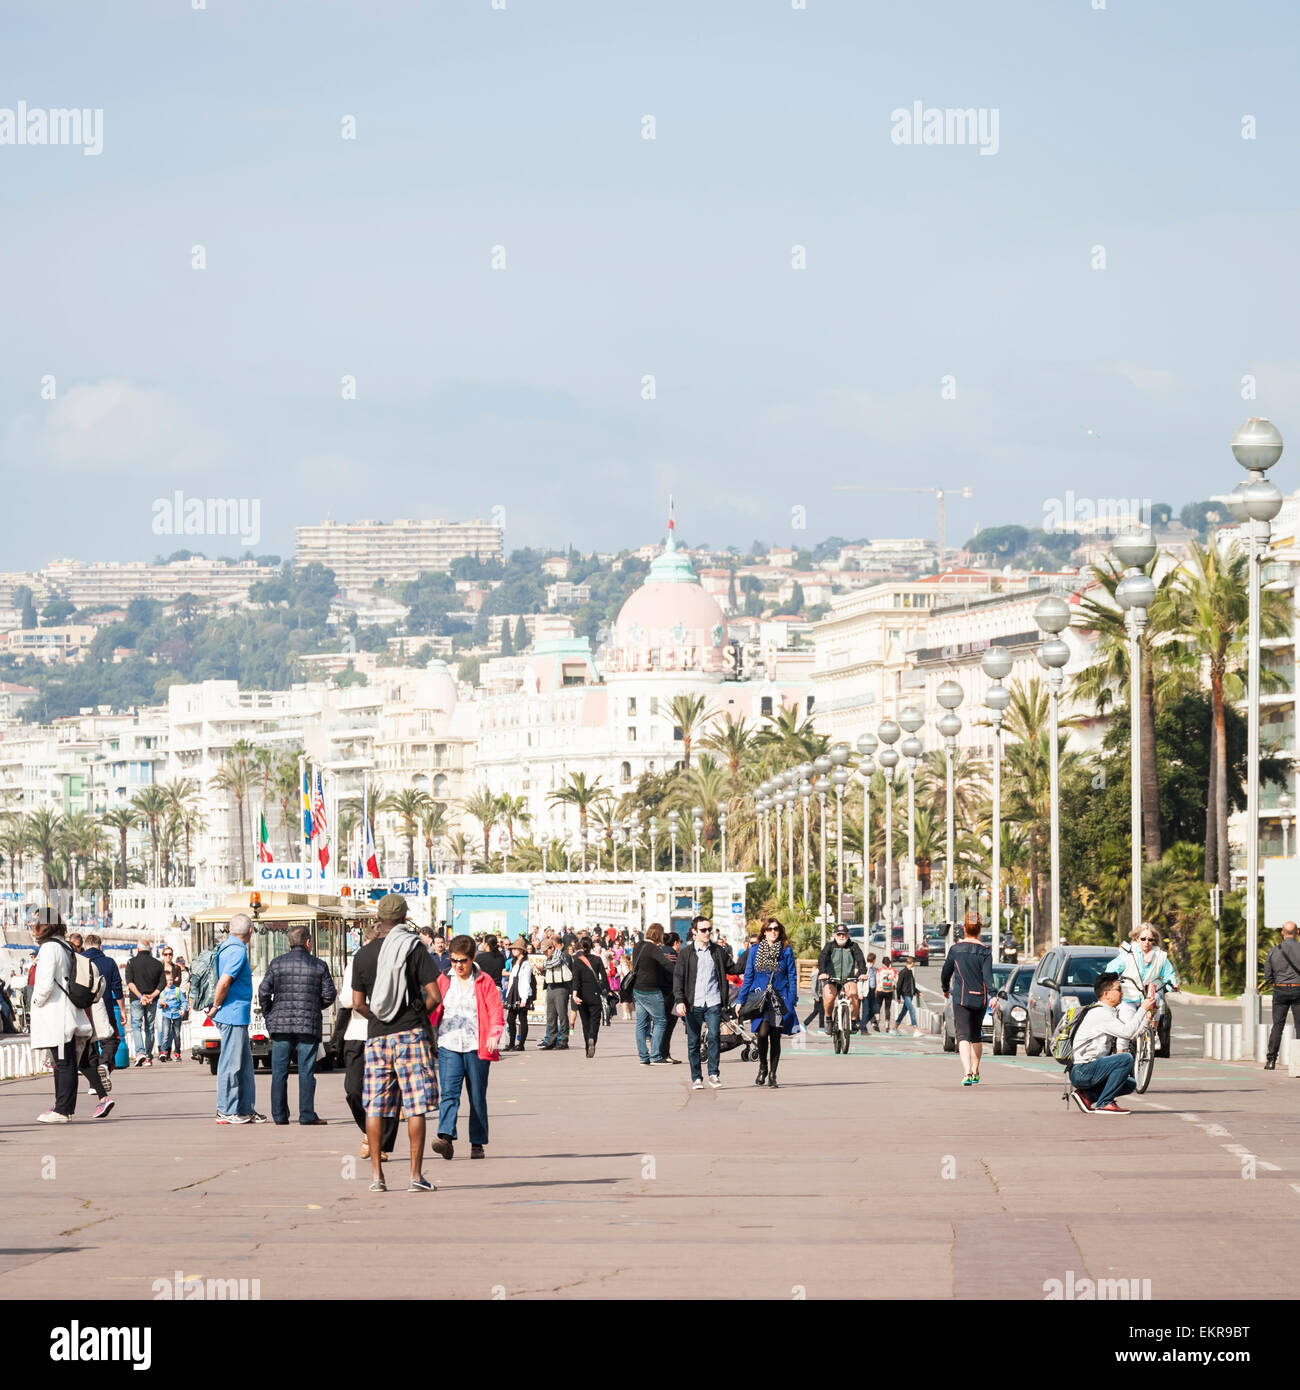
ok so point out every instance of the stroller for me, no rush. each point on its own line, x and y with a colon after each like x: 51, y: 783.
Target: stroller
x: 734, y: 1033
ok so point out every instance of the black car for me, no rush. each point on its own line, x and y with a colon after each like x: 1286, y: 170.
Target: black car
x: 1000, y: 974
x: 1063, y: 972
x: 1009, y: 1023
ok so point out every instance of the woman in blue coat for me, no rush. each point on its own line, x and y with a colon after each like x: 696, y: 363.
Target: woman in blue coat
x: 771, y: 962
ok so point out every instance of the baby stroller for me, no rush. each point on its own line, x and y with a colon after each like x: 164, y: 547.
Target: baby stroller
x: 734, y: 1033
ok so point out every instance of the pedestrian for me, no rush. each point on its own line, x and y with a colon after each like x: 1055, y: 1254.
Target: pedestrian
x: 172, y: 1008
x: 650, y: 973
x: 294, y: 992
x: 886, y: 983
x: 770, y: 972
x: 354, y: 1059
x: 750, y: 942
x: 905, y: 992
x: 671, y: 950
x: 144, y: 982
x: 396, y: 988
x: 699, y: 987
x: 519, y: 996
x: 557, y: 979
x: 89, y: 1061
x: 590, y: 990
x: 868, y: 1006
x: 1282, y: 971
x: 441, y: 956
x: 93, y: 950
x: 57, y: 1026
x: 232, y: 1011
x: 470, y: 1023
x: 491, y: 961
x: 1099, y: 1072
x: 968, y: 977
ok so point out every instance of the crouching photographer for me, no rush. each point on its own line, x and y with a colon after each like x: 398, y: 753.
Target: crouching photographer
x: 1099, y: 1073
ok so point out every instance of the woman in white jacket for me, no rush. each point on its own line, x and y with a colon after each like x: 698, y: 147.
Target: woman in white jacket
x: 56, y: 1026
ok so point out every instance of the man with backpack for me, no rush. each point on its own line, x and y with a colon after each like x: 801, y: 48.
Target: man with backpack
x: 886, y: 983
x: 1282, y: 971
x: 93, y: 951
x: 1098, y: 1073
x: 144, y: 983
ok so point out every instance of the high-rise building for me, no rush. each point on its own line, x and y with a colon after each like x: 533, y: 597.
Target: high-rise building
x: 361, y: 553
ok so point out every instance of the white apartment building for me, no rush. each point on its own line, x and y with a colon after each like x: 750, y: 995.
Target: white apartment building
x: 113, y: 582
x: 365, y: 553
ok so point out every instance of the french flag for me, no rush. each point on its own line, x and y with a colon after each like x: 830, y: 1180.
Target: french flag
x: 319, y: 828
x: 368, y: 853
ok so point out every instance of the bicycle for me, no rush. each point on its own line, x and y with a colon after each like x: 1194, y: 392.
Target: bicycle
x: 1145, y: 1048
x: 841, y: 1017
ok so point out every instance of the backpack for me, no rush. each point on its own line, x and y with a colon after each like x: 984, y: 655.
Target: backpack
x: 85, y: 980
x: 886, y: 979
x: 1062, y: 1043
x: 203, y: 980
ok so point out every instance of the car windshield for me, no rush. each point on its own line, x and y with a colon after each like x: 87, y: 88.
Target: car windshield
x: 1083, y: 970
x: 1020, y: 981
x: 1000, y: 974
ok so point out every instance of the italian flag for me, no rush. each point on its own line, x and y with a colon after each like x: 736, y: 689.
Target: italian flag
x: 263, y: 841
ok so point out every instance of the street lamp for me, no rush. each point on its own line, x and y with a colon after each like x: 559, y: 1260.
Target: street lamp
x: 674, y: 817
x: 866, y: 746
x: 697, y: 848
x: 1284, y: 808
x: 1257, y: 446
x: 996, y: 663
x: 805, y: 795
x: 911, y: 748
x: 722, y: 831
x: 840, y: 775
x: 889, y: 733
x: 822, y: 785
x: 654, y: 843
x: 1053, y: 616
x: 1135, y: 593
x: 789, y: 796
x: 949, y: 696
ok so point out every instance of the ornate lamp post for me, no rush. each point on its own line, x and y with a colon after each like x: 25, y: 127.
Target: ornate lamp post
x: 996, y: 663
x: 1284, y: 808
x: 654, y: 843
x: 1134, y: 594
x: 949, y: 696
x: 821, y: 786
x: 840, y: 775
x: 1053, y: 616
x: 789, y: 796
x: 911, y: 748
x: 866, y: 746
x: 722, y: 832
x: 889, y: 733
x: 778, y: 801
x: 674, y: 818
x: 805, y: 795
x: 697, y: 843
x: 1257, y: 446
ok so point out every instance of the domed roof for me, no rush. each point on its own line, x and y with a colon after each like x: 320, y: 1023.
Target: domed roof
x: 671, y: 622
x: 437, y: 689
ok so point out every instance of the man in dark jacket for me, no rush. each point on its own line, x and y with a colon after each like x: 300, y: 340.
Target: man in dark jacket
x: 699, y: 992
x: 1282, y: 971
x: 295, y: 989
x: 841, y: 959
x: 93, y: 950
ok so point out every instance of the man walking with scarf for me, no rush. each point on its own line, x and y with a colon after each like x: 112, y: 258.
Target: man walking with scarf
x: 395, y: 987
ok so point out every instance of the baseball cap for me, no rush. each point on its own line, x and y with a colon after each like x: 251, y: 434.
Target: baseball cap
x: 392, y: 908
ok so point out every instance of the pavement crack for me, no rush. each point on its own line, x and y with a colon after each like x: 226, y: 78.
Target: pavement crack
x: 73, y: 1230
x: 198, y: 1182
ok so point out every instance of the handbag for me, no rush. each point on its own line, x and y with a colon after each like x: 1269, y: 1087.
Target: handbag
x: 756, y: 1003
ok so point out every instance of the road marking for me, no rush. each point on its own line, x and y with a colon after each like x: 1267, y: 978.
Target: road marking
x: 1295, y: 1187
x: 1155, y: 1105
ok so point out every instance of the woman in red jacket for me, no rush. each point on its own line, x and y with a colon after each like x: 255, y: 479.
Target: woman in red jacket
x: 470, y: 1021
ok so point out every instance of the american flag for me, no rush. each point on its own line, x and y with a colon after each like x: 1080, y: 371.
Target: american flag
x: 319, y: 828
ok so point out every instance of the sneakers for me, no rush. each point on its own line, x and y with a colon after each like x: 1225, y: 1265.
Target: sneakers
x: 379, y: 1185
x: 52, y: 1117
x: 1270, y: 1064
x: 421, y: 1184
x: 715, y: 1082
x: 974, y: 1078
x: 476, y: 1151
x: 104, y: 1107
x: 140, y: 1060
x: 106, y: 1079
x: 968, y: 1080
x: 697, y: 1085
x: 443, y: 1148
x: 234, y: 1119
x: 256, y: 1118
x: 660, y: 1062
x: 1111, y: 1109
x: 1081, y: 1101
x: 164, y: 1056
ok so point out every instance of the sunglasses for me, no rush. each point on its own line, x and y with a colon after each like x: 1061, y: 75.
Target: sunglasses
x: 1146, y: 938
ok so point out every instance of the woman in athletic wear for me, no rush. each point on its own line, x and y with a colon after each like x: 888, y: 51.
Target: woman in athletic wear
x: 968, y: 976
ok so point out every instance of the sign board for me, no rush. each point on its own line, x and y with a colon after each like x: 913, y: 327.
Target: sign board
x: 292, y: 878
x: 848, y: 909
x: 737, y: 909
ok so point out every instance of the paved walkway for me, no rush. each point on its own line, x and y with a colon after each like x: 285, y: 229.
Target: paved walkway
x: 873, y: 1175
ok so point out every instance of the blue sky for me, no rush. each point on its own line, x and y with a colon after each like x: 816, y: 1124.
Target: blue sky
x: 480, y: 388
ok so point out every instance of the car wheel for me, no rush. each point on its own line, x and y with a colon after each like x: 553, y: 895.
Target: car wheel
x: 949, y: 1041
x: 1033, y: 1045
x: 1009, y: 1044
x: 999, y: 1047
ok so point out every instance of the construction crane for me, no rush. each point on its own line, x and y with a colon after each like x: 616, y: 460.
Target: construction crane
x: 939, y: 493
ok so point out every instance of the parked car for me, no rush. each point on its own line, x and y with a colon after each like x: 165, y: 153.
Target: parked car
x: 936, y: 943
x: 1000, y: 975
x: 1009, y: 1025
x: 1065, y: 972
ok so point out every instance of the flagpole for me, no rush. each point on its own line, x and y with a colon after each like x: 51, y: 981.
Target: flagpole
x: 304, y: 811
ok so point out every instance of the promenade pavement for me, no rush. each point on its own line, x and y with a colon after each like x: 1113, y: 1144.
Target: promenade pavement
x: 875, y: 1175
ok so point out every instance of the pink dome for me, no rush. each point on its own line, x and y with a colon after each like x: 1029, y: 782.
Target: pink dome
x: 671, y: 622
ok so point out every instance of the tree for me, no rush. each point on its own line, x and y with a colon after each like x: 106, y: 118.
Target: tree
x: 121, y: 820
x: 44, y: 827
x: 57, y: 611
x: 13, y: 845
x: 433, y: 826
x: 1002, y: 541
x: 233, y: 778
x: 28, y: 610
x: 484, y: 808
x: 521, y: 634
x: 152, y: 803
x: 796, y: 598
x: 734, y: 742
x: 582, y: 796
x: 686, y: 712
x: 507, y: 645
x: 182, y: 795
x: 286, y: 783
x: 408, y: 805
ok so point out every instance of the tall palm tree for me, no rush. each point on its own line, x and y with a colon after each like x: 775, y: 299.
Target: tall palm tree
x: 484, y: 808
x: 234, y: 778
x: 153, y: 803
x: 121, y: 820
x: 735, y: 743
x: 44, y: 828
x: 433, y: 826
x: 687, y: 713
x: 408, y: 805
x: 286, y: 787
x: 512, y: 811
x: 787, y: 738
x: 81, y: 840
x: 460, y: 850
x: 582, y: 796
x: 13, y: 845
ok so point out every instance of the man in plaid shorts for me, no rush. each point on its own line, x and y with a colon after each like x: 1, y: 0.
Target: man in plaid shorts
x: 399, y: 1064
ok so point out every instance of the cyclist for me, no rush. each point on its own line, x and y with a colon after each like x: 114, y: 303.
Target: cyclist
x: 840, y: 960
x: 1141, y: 964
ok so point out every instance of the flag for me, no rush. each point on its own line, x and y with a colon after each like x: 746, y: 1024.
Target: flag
x: 368, y: 853
x: 319, y: 827
x: 264, y: 855
x: 306, y: 803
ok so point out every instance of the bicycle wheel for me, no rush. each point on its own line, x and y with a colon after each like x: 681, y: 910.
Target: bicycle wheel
x: 1144, y: 1061
x: 846, y: 1027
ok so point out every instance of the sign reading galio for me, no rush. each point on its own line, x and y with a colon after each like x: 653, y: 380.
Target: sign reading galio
x: 291, y: 877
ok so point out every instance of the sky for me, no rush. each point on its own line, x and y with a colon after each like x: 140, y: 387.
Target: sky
x: 1086, y: 308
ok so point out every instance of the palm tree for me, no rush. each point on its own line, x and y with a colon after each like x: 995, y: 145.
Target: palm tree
x: 121, y: 819
x: 433, y: 826
x: 512, y: 811
x: 687, y: 712
x: 233, y: 777
x: 13, y: 845
x: 286, y: 786
x: 735, y: 743
x: 582, y: 796
x: 182, y: 794
x: 44, y: 828
x: 787, y: 739
x: 349, y: 819
x: 483, y: 807
x: 460, y: 850
x: 81, y: 841
x: 153, y: 804
x: 408, y: 805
